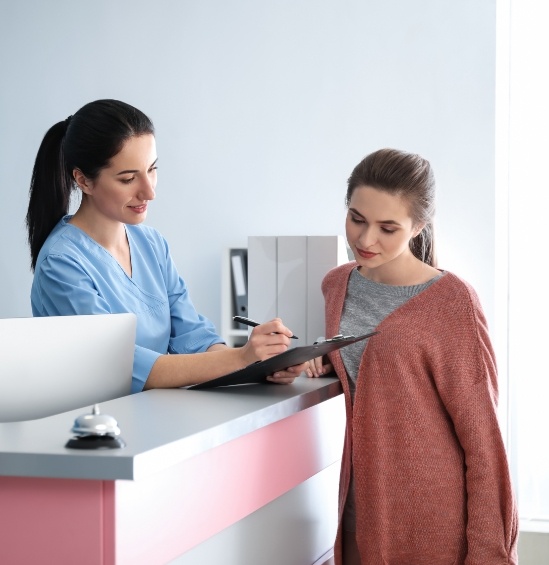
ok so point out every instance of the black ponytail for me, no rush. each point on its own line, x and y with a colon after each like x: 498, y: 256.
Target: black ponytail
x: 50, y: 189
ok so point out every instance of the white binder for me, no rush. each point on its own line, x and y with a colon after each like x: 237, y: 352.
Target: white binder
x: 284, y: 278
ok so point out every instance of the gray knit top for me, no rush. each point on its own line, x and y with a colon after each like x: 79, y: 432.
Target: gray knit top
x: 367, y: 304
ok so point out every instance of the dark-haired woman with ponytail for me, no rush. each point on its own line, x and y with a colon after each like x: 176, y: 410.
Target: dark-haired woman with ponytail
x: 103, y: 260
x: 424, y: 478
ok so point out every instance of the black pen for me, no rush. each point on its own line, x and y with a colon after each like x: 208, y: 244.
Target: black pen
x: 251, y: 323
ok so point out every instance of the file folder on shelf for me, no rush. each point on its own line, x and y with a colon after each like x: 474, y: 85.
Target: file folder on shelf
x: 239, y: 283
x: 258, y: 372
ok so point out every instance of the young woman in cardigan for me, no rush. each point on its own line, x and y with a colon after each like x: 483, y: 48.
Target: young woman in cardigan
x: 103, y: 260
x: 424, y: 477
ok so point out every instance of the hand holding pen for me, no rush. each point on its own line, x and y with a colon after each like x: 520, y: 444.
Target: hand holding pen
x: 270, y: 338
x: 252, y: 323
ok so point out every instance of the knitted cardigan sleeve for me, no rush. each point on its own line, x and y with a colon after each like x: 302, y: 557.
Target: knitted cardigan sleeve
x: 492, y: 517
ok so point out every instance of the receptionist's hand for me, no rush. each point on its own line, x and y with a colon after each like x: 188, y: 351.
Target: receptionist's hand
x: 266, y: 340
x: 287, y: 377
x: 318, y: 366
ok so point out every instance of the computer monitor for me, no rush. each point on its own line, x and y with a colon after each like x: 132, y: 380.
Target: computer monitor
x: 54, y: 364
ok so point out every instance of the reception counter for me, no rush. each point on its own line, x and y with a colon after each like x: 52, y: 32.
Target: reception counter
x: 239, y: 475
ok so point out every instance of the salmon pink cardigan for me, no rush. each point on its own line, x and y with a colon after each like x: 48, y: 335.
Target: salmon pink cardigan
x: 431, y: 474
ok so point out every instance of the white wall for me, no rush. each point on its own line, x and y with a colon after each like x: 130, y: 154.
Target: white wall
x: 262, y: 109
x: 528, y: 119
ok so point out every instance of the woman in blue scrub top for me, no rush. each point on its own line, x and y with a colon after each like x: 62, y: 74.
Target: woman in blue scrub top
x: 104, y: 260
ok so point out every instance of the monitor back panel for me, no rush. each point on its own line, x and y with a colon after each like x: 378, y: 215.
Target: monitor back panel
x: 54, y: 364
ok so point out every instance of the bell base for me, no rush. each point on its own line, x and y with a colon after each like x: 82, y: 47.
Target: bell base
x: 95, y: 442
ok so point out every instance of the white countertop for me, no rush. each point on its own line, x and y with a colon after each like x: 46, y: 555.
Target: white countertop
x: 160, y: 427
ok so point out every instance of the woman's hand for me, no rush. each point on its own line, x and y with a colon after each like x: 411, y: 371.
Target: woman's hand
x: 267, y: 340
x: 318, y: 366
x: 287, y: 376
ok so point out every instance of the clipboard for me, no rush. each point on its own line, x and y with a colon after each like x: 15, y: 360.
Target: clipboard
x: 258, y: 372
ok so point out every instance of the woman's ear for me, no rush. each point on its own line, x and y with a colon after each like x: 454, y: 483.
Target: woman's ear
x: 83, y: 182
x: 418, y: 228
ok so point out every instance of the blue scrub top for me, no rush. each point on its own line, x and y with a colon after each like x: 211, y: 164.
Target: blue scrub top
x: 76, y: 275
